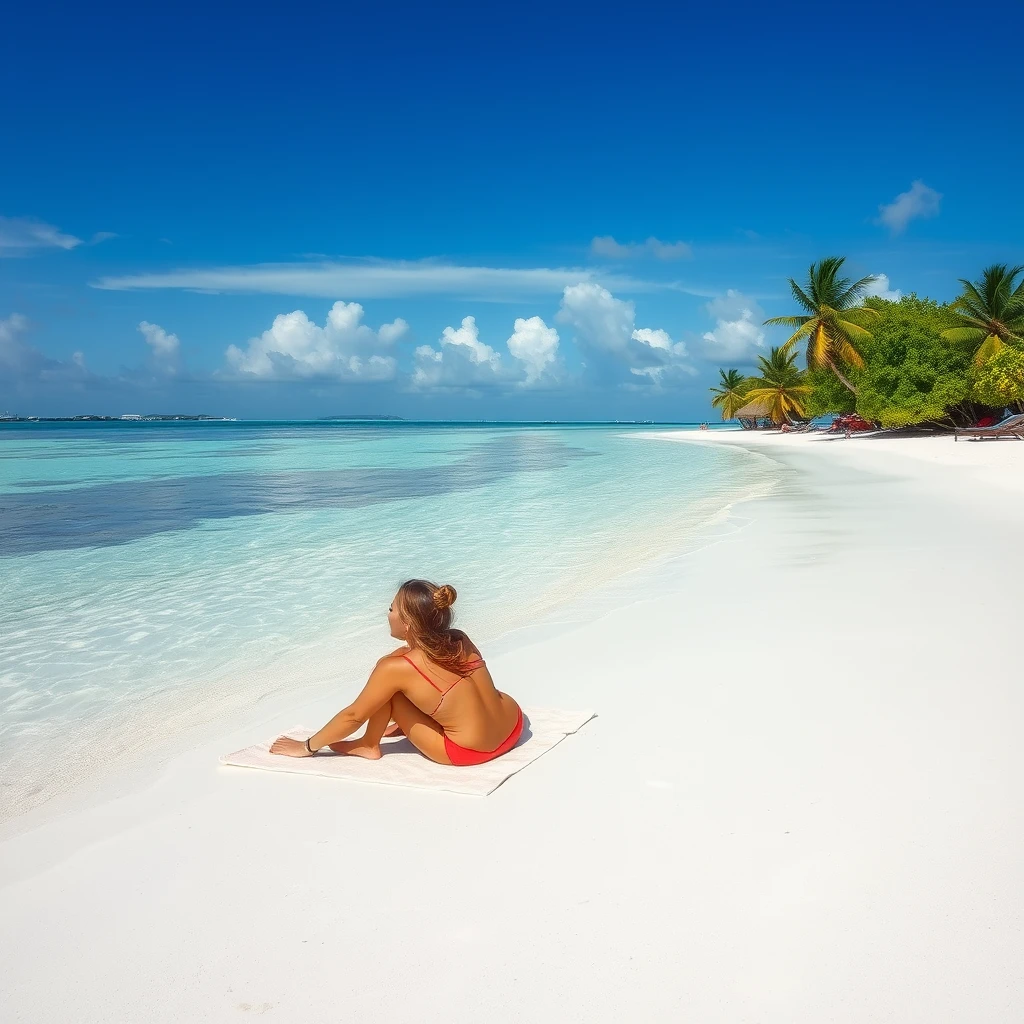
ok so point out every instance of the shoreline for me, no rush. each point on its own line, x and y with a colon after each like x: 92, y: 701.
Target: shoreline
x: 304, y: 674
x: 797, y: 801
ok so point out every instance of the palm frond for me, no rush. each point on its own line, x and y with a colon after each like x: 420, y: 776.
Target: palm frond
x: 862, y: 312
x: 825, y: 282
x: 989, y: 347
x: 802, y: 297
x: 818, y: 346
x: 852, y: 332
x: 971, y: 296
x: 855, y: 292
x: 804, y: 331
x: 788, y: 321
x: 967, y: 334
x: 847, y: 353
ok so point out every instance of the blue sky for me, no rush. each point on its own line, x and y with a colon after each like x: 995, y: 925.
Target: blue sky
x: 471, y: 211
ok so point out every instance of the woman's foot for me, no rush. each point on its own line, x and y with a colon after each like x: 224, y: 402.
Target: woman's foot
x: 394, y: 729
x: 357, y: 748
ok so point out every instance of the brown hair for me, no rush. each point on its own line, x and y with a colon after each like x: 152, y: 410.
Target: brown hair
x: 427, y: 610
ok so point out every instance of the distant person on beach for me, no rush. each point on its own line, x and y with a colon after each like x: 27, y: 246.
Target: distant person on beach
x: 435, y: 688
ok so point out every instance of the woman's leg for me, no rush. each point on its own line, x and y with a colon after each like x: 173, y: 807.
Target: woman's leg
x: 367, y: 745
x: 423, y: 732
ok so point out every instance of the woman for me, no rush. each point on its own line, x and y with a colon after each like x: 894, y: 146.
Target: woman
x: 436, y: 688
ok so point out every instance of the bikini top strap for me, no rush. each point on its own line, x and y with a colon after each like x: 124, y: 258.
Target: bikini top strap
x: 424, y: 674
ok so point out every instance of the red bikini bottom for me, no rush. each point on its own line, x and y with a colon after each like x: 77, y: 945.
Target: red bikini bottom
x: 463, y: 756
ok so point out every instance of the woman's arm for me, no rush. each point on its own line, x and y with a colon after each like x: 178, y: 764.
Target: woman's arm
x: 382, y: 685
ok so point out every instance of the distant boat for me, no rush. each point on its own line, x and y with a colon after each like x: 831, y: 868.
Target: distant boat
x: 131, y: 416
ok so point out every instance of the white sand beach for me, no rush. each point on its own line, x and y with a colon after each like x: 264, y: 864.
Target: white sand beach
x: 799, y: 802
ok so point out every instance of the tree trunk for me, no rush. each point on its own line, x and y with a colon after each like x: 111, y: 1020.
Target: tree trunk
x: 835, y: 369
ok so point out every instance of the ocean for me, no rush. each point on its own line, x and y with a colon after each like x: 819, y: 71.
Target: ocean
x: 162, y: 576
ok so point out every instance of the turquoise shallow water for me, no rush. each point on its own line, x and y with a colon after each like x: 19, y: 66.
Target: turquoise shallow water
x: 159, y: 576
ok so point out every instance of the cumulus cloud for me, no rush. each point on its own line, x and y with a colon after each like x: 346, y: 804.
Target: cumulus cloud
x: 535, y: 345
x: 737, y: 333
x: 365, y: 279
x: 295, y: 348
x: 20, y: 236
x: 464, y: 361
x: 164, y: 345
x: 164, y: 348
x: 603, y: 323
x: 607, y: 246
x: 880, y: 289
x: 607, y: 334
x: 920, y: 202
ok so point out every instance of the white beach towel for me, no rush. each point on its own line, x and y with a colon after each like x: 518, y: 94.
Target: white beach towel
x: 403, y: 765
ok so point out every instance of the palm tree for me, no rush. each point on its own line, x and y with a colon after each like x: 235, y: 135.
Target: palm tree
x: 830, y: 300
x: 991, y: 312
x: 731, y: 393
x: 782, y: 386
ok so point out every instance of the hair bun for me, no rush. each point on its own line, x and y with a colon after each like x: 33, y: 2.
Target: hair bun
x: 444, y: 597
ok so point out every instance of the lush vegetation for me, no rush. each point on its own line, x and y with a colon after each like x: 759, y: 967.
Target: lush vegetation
x: 911, y: 362
x: 1000, y: 380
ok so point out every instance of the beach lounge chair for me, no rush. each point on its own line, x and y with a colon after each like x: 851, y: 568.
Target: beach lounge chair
x: 1012, y: 426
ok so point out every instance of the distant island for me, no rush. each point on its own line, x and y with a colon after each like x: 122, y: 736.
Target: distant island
x: 129, y: 417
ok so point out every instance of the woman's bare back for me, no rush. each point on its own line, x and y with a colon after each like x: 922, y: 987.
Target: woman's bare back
x: 470, y: 709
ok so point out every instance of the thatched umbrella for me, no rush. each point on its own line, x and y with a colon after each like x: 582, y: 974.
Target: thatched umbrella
x: 748, y: 416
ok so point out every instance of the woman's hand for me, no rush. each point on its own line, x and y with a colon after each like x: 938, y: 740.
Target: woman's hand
x: 289, y: 747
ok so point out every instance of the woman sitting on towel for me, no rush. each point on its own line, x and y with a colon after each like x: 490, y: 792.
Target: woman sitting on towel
x: 435, y: 688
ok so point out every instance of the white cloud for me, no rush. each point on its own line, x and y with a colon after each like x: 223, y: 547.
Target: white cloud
x: 656, y: 339
x: 921, y: 202
x: 535, y: 345
x: 463, y: 361
x: 164, y: 345
x: 880, y: 288
x: 665, y: 358
x: 603, y: 323
x: 467, y: 338
x: 606, y: 333
x: 20, y: 236
x: 295, y: 348
x: 737, y: 332
x: 365, y: 279
x: 605, y: 245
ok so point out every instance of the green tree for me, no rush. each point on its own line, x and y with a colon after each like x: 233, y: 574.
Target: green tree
x: 780, y: 385
x: 990, y: 312
x: 731, y: 393
x: 911, y: 375
x: 1000, y: 381
x: 828, y: 395
x: 833, y: 305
